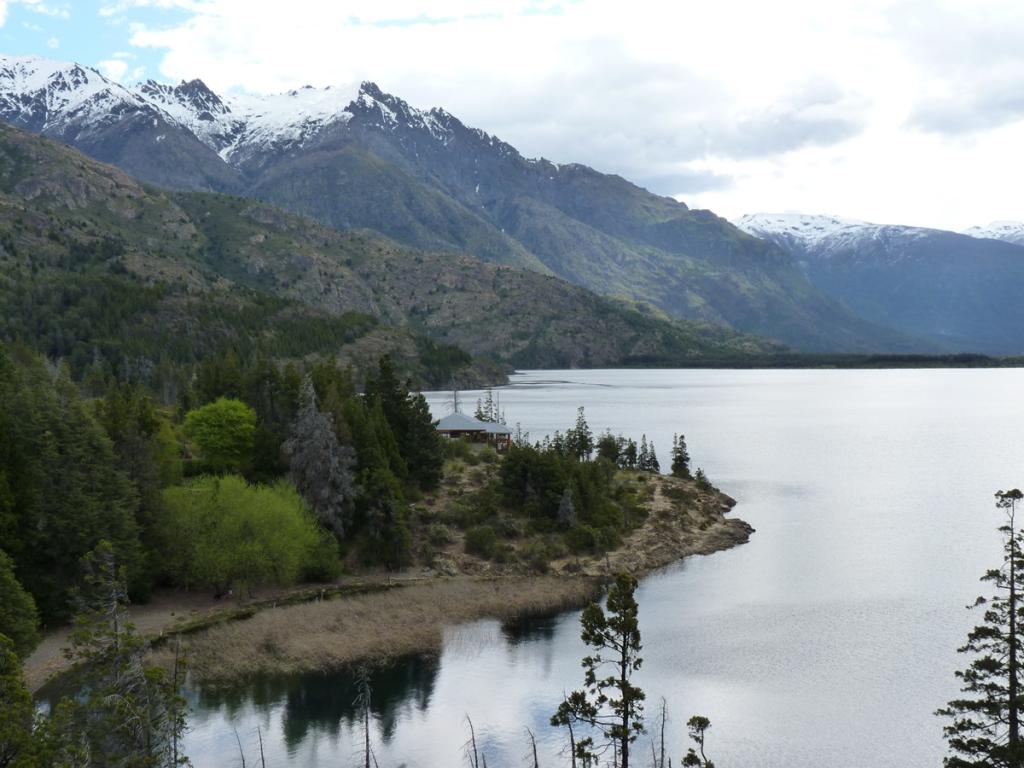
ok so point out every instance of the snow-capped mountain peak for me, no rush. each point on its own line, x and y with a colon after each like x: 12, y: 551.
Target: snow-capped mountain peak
x: 1010, y: 231
x: 827, y: 235
x: 47, y: 96
x: 43, y: 93
x: 73, y: 102
x: 807, y: 229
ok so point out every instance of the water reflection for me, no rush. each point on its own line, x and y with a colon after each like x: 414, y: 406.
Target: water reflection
x: 325, y: 702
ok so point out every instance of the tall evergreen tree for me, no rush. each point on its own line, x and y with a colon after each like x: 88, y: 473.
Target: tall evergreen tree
x: 567, y: 509
x: 629, y: 458
x: 580, y: 440
x: 147, y: 451
x: 320, y: 466
x: 19, y: 619
x: 986, y: 722
x: 130, y: 715
x: 697, y: 726
x: 274, y: 394
x: 408, y: 415
x: 680, y: 457
x: 64, y: 492
x: 643, y: 457
x: 17, y: 741
x: 609, y: 701
x: 653, y: 465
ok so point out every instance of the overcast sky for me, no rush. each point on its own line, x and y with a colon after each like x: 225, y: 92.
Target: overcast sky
x: 903, y: 112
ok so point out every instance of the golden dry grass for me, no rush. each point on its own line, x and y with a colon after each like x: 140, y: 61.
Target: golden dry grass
x: 331, y: 634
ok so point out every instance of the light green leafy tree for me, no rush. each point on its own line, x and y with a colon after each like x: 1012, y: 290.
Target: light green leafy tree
x: 223, y: 432
x: 221, y: 531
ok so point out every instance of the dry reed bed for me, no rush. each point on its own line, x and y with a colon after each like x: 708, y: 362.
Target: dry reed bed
x: 328, y: 635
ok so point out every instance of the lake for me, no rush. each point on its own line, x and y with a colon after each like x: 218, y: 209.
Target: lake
x: 828, y: 640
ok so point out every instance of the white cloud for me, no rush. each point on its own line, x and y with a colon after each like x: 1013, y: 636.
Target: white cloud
x: 848, y: 107
x: 113, y: 68
x: 58, y: 11
x: 53, y: 42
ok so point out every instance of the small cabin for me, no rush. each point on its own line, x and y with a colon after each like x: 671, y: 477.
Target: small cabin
x: 458, y: 425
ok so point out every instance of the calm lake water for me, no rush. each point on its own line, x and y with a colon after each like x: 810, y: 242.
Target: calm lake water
x: 828, y: 640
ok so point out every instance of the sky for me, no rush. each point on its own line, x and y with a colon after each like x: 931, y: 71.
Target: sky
x: 894, y: 111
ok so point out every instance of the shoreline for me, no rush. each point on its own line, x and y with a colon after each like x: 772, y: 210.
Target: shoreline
x: 380, y: 617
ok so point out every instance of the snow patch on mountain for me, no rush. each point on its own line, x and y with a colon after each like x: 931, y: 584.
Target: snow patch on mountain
x: 805, y: 229
x: 1010, y: 231
x: 825, y: 235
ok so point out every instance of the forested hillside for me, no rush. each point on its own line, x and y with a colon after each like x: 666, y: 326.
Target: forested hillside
x: 108, y: 274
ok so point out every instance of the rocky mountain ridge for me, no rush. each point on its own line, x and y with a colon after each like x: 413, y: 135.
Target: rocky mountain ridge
x: 361, y: 158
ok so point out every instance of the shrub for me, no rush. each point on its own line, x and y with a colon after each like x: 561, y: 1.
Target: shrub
x: 538, y: 553
x: 702, y: 480
x: 582, y: 538
x: 457, y: 449
x: 482, y: 541
x: 220, y: 531
x: 439, y: 535
x: 509, y: 527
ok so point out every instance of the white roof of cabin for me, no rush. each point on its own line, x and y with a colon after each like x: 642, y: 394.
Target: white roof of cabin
x: 460, y: 422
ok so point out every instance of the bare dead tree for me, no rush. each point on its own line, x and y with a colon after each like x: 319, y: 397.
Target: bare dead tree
x: 533, y: 746
x: 175, y: 714
x: 662, y: 719
x: 470, y: 746
x: 240, y: 751
x: 363, y: 703
x: 259, y: 735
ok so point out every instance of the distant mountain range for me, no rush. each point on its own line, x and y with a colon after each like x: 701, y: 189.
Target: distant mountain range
x: 361, y: 158
x: 959, y: 291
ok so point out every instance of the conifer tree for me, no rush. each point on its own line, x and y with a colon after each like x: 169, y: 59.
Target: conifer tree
x: 986, y: 722
x: 580, y: 440
x: 408, y: 415
x: 567, y: 509
x: 643, y: 457
x: 652, y: 459
x: 320, y: 466
x: 17, y: 743
x: 680, y: 457
x: 630, y: 458
x: 18, y: 616
x: 609, y: 702
x: 698, y: 726
x: 610, y: 447
x: 60, y: 489
x: 130, y: 715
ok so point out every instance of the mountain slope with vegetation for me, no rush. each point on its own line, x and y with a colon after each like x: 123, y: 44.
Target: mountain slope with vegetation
x: 100, y: 267
x: 367, y: 159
